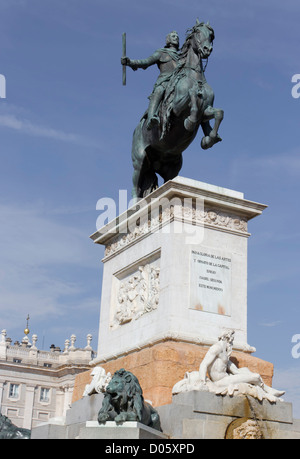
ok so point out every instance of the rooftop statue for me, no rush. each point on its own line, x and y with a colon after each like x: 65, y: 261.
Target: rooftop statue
x: 218, y: 374
x: 181, y: 102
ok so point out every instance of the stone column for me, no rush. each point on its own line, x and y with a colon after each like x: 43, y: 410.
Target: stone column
x: 29, y: 400
x: 3, y: 345
x: 59, y: 401
x: 1, y: 393
x: 68, y: 398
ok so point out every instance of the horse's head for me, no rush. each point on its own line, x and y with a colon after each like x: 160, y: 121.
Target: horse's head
x: 201, y: 38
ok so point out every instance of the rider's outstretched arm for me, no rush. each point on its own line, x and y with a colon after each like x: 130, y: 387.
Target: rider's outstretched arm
x: 141, y: 63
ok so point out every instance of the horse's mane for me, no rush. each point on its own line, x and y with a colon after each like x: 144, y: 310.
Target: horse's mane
x: 189, y: 34
x: 178, y: 73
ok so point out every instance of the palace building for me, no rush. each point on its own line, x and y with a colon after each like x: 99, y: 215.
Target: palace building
x: 36, y: 385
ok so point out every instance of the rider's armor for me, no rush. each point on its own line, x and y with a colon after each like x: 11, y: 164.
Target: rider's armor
x: 166, y: 60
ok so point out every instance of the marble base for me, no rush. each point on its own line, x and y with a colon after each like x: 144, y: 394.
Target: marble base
x: 158, y: 367
x: 112, y: 431
x: 175, y: 268
x: 81, y: 411
x: 203, y: 415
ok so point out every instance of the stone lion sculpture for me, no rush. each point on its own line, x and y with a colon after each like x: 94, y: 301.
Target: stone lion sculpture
x: 124, y: 401
x: 9, y: 431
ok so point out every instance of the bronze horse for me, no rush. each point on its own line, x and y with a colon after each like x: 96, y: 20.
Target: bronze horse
x: 187, y: 104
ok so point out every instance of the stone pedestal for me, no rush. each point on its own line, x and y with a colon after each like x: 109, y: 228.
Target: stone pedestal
x: 81, y: 423
x: 68, y: 427
x: 191, y: 415
x: 175, y: 267
x: 112, y: 431
x: 203, y: 415
x: 160, y: 366
x: 174, y: 278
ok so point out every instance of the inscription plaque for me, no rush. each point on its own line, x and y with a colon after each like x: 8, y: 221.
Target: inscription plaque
x: 210, y: 281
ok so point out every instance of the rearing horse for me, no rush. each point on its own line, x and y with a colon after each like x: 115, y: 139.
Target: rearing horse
x: 187, y: 104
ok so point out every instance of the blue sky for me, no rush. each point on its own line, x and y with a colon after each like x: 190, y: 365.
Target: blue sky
x: 66, y: 128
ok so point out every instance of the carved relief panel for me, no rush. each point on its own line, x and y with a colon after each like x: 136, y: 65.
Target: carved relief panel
x: 136, y: 293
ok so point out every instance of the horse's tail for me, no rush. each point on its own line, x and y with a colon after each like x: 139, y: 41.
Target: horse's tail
x: 144, y: 178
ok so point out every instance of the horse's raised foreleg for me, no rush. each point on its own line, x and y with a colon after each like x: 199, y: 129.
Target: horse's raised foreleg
x: 211, y: 136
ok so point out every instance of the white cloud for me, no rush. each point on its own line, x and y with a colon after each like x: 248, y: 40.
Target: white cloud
x: 34, y: 251
x: 286, y: 163
x: 31, y: 232
x: 289, y: 162
x: 288, y: 379
x: 271, y: 324
x: 27, y: 127
x: 12, y: 3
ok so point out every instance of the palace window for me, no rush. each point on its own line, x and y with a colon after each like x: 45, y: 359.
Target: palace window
x: 45, y: 394
x: 13, y: 390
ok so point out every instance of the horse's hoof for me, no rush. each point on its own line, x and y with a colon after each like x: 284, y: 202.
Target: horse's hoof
x: 206, y: 142
x: 189, y: 125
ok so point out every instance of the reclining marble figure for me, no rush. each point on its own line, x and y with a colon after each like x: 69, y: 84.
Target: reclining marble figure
x: 224, y: 377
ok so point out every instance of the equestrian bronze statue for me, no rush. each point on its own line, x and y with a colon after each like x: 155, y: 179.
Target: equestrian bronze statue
x: 181, y: 101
